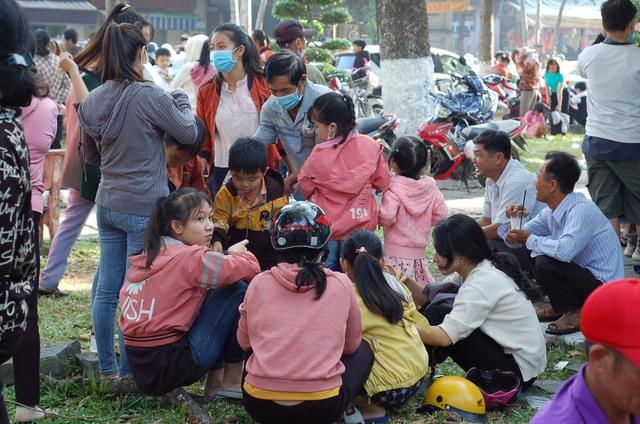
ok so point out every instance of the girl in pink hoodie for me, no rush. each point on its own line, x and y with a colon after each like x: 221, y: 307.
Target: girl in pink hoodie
x: 342, y: 172
x: 410, y: 207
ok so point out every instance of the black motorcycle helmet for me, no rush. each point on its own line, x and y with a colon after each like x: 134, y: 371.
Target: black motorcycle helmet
x: 300, y: 224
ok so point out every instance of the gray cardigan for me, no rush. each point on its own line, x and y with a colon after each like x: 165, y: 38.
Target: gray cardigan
x: 122, y: 130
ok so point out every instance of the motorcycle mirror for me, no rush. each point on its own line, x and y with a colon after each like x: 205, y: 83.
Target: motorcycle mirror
x: 462, y: 61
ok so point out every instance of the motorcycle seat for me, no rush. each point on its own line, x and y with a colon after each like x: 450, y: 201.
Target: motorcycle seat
x: 367, y: 125
x: 508, y: 126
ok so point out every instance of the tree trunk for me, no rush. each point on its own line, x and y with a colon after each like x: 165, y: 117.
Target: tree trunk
x: 486, y: 32
x: 558, y: 22
x: 403, y: 29
x: 109, y: 5
x: 261, y: 11
x: 525, y: 23
x: 538, y: 22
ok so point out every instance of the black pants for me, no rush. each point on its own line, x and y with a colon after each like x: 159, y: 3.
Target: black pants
x: 557, y: 129
x: 8, y: 348
x: 26, y: 361
x: 56, y: 143
x: 521, y: 254
x: 476, y: 350
x: 566, y: 284
x: 357, y: 369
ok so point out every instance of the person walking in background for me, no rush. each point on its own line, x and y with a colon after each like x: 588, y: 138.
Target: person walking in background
x: 71, y: 45
x: 230, y: 103
x: 558, y: 93
x: 123, y: 123
x: 529, y: 81
x: 57, y: 81
x: 197, y: 68
x: 611, y: 144
x: 18, y: 270
x: 39, y: 121
x: 410, y: 207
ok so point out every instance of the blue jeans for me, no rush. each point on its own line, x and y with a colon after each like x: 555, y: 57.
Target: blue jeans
x: 120, y: 236
x: 335, y: 251
x: 212, y: 337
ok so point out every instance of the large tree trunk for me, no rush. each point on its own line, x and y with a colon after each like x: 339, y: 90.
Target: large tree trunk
x: 538, y: 22
x: 261, y: 11
x: 407, y: 67
x: 525, y: 23
x: 558, y: 23
x: 486, y: 33
x: 109, y: 5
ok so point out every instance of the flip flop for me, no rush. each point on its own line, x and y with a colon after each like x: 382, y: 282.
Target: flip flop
x: 227, y: 394
x: 568, y: 324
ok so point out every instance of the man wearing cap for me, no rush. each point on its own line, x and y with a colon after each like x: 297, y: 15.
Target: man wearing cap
x: 291, y: 35
x: 607, y: 389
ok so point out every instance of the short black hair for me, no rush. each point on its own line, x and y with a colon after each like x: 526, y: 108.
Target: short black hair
x: 190, y: 149
x: 163, y: 52
x: 564, y: 168
x: 495, y: 142
x: 43, y: 40
x: 499, y: 55
x: 71, y: 34
x: 360, y: 43
x: 247, y: 155
x: 616, y: 14
x: 538, y: 107
x: 285, y: 63
x: 581, y: 85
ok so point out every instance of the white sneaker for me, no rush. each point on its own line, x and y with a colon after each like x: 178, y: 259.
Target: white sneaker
x: 636, y: 254
x: 25, y: 414
x: 93, y: 347
x: 630, y: 249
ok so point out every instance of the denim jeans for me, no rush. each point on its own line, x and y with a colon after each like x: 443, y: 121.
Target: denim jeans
x: 212, y: 337
x: 120, y: 237
x: 333, y: 259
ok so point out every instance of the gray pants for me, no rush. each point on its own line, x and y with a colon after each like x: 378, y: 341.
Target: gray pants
x: 527, y: 101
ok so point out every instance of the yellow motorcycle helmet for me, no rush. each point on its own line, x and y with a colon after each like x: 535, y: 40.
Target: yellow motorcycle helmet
x: 458, y: 395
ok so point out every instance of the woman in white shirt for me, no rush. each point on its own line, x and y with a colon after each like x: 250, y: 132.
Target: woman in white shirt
x: 492, y: 324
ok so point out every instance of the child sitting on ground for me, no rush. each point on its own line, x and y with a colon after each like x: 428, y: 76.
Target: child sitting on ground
x: 247, y: 203
x: 301, y: 323
x: 390, y: 324
x: 410, y: 207
x: 342, y: 171
x: 536, y: 124
x: 179, y: 302
x: 183, y: 167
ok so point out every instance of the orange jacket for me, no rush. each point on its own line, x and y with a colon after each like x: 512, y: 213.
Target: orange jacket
x: 207, y: 106
x: 188, y: 175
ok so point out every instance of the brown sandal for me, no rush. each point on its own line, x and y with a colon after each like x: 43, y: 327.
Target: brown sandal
x: 547, y: 314
x: 568, y: 324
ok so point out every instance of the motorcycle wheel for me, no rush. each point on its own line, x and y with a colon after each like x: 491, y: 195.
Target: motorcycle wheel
x: 439, y: 162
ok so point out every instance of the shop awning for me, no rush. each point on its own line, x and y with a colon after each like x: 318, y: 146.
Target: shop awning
x: 60, y: 12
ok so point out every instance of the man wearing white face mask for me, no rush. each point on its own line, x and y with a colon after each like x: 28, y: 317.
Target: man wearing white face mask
x: 291, y: 35
x: 284, y: 115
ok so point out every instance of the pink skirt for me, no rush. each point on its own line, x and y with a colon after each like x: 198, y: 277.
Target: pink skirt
x: 414, y: 268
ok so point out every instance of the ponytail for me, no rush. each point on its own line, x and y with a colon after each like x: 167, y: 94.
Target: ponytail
x: 158, y: 224
x: 122, y: 44
x: 363, y: 251
x: 312, y: 273
x: 508, y: 264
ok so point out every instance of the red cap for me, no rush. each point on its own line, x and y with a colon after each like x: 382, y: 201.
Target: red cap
x: 291, y: 29
x: 610, y: 317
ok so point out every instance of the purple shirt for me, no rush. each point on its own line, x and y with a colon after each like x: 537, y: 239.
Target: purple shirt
x: 573, y: 404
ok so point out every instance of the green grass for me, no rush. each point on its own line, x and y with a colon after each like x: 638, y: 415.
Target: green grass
x: 70, y: 318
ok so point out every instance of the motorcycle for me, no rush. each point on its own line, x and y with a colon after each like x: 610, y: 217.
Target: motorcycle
x: 449, y: 140
x: 469, y: 94
x: 381, y: 129
x: 368, y: 103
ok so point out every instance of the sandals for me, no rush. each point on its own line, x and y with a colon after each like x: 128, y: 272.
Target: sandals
x: 569, y: 323
x: 547, y: 314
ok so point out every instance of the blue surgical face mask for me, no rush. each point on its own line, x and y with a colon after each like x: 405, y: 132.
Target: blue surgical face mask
x: 289, y: 101
x: 223, y: 60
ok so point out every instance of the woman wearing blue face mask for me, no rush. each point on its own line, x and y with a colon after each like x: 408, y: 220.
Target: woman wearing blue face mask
x: 231, y: 102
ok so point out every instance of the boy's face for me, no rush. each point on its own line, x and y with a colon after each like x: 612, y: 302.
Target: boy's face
x: 163, y: 62
x: 247, y: 184
x: 175, y: 156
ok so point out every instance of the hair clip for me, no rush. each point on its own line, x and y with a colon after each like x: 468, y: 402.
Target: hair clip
x: 125, y: 7
x: 361, y: 250
x: 18, y: 59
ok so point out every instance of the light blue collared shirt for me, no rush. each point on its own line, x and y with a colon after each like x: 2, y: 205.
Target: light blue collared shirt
x: 577, y: 231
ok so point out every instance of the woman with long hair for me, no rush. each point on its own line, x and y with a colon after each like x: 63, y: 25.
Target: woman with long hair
x: 557, y: 93
x: 230, y: 104
x: 123, y: 123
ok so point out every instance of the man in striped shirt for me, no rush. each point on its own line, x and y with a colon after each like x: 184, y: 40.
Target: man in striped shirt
x: 574, y: 246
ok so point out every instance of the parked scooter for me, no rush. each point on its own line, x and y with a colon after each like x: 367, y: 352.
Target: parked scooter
x: 381, y: 129
x: 469, y: 94
x: 367, y: 102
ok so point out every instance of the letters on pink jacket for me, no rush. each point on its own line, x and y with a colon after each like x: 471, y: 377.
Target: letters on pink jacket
x: 341, y: 179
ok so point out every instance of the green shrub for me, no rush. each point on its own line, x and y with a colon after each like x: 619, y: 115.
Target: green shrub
x: 336, y: 44
x: 318, y: 54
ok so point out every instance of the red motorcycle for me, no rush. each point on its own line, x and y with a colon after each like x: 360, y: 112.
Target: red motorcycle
x: 450, y: 143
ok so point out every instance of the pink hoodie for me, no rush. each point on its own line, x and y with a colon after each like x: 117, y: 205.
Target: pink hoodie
x: 297, y: 341
x: 408, y: 211
x: 40, y: 124
x: 341, y: 181
x: 199, y: 76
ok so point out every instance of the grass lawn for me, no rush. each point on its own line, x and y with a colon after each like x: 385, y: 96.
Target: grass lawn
x: 70, y: 318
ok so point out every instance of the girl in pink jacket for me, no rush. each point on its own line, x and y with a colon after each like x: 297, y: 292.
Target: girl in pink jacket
x: 410, y: 207
x: 342, y: 172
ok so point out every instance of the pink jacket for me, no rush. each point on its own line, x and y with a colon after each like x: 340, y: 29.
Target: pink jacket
x: 40, y: 124
x: 408, y: 210
x: 297, y: 341
x: 341, y: 180
x: 159, y: 304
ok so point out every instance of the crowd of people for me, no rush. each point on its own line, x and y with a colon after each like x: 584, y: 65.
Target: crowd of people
x: 237, y: 207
